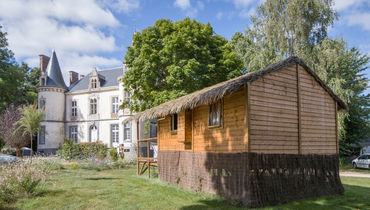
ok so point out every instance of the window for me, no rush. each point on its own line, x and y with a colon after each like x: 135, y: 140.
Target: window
x: 73, y: 134
x: 93, y: 83
x: 126, y: 150
x: 42, y: 135
x: 74, y: 108
x: 42, y: 103
x: 43, y: 82
x: 114, y: 133
x: 174, y: 122
x: 93, y: 105
x: 115, y: 105
x: 126, y: 96
x: 127, y: 131
x: 93, y: 133
x: 215, y: 114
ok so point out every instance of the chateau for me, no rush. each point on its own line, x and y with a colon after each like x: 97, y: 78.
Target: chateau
x: 87, y: 110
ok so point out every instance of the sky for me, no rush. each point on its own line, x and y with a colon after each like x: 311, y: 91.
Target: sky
x: 95, y: 33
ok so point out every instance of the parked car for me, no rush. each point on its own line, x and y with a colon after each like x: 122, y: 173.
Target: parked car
x: 363, y: 161
x: 8, y: 158
x: 365, y: 151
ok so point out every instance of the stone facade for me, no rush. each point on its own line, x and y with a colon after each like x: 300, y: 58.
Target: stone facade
x: 86, y: 111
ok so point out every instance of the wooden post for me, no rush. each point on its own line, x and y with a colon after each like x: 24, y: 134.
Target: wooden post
x: 148, y: 156
x: 137, y: 142
x: 299, y: 112
x: 248, y: 113
x: 336, y: 127
x: 192, y: 129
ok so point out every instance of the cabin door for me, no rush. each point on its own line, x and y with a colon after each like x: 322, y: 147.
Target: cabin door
x: 188, y: 129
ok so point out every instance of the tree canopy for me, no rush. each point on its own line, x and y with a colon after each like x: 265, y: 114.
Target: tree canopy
x: 17, y: 82
x: 172, y: 59
x: 299, y: 27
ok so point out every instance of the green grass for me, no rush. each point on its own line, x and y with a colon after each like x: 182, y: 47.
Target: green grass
x: 122, y: 189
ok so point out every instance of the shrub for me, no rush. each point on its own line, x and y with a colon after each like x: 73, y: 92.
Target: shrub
x: 69, y: 150
x: 20, y: 179
x: 93, y: 150
x: 113, y: 154
x: 122, y: 155
x: 74, y: 166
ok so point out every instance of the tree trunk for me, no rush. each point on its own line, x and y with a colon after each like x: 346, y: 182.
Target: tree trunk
x: 31, y: 147
x: 18, y: 152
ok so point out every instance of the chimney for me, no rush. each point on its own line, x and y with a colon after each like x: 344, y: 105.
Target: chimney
x: 73, y: 77
x: 44, y: 60
x: 82, y: 76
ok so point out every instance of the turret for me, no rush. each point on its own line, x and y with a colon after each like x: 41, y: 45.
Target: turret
x: 51, y: 97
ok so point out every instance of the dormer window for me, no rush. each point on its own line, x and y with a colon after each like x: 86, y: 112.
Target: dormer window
x: 42, y: 82
x: 93, y: 83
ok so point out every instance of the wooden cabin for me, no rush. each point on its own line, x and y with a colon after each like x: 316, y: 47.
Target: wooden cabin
x: 283, y: 109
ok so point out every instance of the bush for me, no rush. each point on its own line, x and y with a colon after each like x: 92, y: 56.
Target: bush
x: 20, y: 179
x: 93, y: 150
x: 113, y: 154
x: 69, y: 150
x: 74, y: 166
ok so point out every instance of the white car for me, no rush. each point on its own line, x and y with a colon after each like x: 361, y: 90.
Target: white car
x: 362, y: 161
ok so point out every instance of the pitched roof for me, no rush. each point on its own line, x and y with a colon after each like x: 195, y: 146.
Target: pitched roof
x: 107, y: 78
x: 213, y: 93
x: 55, y: 78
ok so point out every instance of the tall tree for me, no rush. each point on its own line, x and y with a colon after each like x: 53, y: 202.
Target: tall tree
x: 299, y: 27
x: 172, y: 59
x: 30, y: 120
x: 9, y: 131
x: 11, y: 76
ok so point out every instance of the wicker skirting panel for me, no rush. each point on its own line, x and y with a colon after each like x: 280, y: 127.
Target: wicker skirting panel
x: 253, y: 179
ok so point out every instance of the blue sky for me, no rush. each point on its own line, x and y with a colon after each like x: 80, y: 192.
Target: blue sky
x: 95, y: 33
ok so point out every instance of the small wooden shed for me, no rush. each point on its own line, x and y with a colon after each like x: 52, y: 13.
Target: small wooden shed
x: 244, y: 137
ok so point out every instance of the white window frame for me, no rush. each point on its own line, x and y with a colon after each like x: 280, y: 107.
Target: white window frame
x: 127, y: 131
x: 115, y: 105
x: 74, y: 108
x: 73, y: 133
x: 94, y: 83
x: 114, y: 132
x: 93, y: 106
x: 127, y: 96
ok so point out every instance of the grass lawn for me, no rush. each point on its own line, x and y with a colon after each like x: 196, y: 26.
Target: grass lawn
x: 122, y: 189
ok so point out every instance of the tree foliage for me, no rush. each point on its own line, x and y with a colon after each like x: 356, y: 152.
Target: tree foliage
x: 172, y: 59
x: 299, y: 27
x: 17, y: 82
x: 30, y: 120
x: 9, y: 131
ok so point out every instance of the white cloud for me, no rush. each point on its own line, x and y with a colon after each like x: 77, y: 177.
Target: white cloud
x: 340, y: 5
x: 182, y: 4
x: 219, y: 15
x: 354, y: 12
x: 243, y: 3
x: 362, y: 19
x: 125, y: 6
x: 77, y: 30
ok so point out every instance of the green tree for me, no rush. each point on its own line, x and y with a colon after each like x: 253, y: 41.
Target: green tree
x: 30, y: 120
x: 172, y: 59
x: 11, y: 76
x: 299, y: 27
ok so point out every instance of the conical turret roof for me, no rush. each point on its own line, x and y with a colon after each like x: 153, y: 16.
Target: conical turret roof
x: 54, y: 73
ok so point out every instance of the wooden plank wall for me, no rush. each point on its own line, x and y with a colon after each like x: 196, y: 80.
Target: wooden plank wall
x: 231, y: 137
x: 318, y: 117
x: 274, y: 113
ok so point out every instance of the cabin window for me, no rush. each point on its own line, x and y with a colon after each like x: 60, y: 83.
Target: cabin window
x: 114, y: 132
x: 174, y: 122
x: 43, y: 82
x: 93, y: 106
x: 73, y: 134
x: 215, y: 114
x: 74, y: 108
x: 127, y: 131
x: 42, y: 135
x: 115, y: 105
x: 93, y: 83
x: 127, y: 97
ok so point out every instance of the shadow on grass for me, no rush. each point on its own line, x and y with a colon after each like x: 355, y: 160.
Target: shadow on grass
x: 355, y: 197
x: 100, y: 178
x: 49, y: 192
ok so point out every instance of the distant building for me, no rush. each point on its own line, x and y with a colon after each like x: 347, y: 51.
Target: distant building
x: 86, y: 111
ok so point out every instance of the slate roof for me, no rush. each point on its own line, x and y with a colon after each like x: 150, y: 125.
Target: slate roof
x: 54, y: 74
x: 107, y: 78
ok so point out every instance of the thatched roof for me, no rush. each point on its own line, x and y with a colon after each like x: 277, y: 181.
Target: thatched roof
x: 213, y: 93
